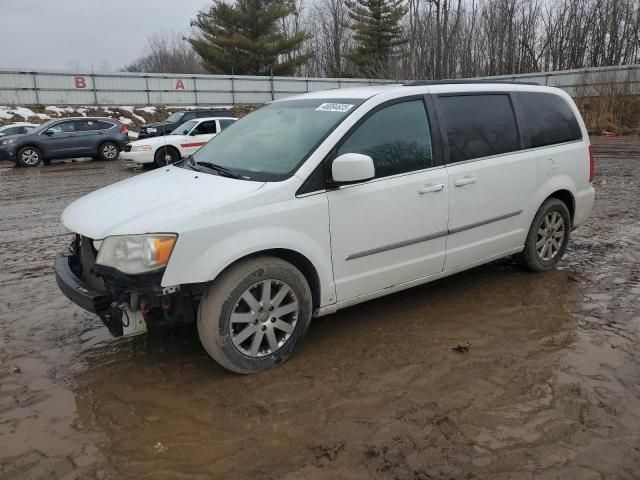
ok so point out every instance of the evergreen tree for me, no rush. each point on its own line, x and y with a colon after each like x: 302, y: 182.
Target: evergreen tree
x: 245, y: 38
x: 377, y: 30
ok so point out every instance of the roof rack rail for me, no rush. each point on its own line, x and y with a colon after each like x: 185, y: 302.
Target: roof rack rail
x: 419, y: 83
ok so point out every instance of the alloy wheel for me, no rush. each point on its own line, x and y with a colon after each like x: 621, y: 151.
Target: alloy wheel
x: 263, y: 318
x: 550, y: 236
x: 30, y: 157
x: 109, y: 152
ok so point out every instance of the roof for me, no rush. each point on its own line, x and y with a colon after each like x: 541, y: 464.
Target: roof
x: 434, y: 86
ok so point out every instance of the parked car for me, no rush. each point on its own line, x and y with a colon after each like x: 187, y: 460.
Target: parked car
x: 17, y: 128
x: 100, y: 138
x: 183, y: 141
x: 325, y: 200
x: 178, y: 118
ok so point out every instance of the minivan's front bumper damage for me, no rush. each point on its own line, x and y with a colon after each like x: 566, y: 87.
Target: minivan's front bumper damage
x: 127, y: 304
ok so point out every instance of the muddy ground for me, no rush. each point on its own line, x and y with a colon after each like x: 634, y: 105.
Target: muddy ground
x: 550, y: 387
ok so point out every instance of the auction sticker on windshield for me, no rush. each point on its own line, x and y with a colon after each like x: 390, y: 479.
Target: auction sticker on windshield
x: 334, y: 107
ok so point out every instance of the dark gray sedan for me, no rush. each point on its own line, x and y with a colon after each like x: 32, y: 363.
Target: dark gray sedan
x: 99, y: 138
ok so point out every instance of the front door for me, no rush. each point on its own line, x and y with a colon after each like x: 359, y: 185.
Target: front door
x: 200, y: 135
x: 391, y: 229
x: 60, y: 139
x: 491, y: 180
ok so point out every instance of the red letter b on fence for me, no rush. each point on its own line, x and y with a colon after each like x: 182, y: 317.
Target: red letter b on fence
x: 80, y: 82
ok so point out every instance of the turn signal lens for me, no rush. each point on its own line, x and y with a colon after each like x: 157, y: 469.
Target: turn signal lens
x: 158, y: 250
x: 592, y: 165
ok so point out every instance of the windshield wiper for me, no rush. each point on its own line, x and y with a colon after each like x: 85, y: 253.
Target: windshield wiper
x: 218, y: 168
x: 188, y: 161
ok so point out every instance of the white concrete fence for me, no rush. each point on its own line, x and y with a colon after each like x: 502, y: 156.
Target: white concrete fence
x: 68, y: 88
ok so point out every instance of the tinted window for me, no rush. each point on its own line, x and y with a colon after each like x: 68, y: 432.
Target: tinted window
x: 188, y: 116
x: 549, y: 119
x: 225, y: 123
x: 396, y: 138
x: 205, y: 128
x: 63, y: 127
x: 14, y: 131
x: 479, y: 126
x: 104, y: 125
x: 88, y: 125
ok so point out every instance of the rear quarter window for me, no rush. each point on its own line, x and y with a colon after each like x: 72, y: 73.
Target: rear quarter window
x: 548, y: 119
x: 479, y: 125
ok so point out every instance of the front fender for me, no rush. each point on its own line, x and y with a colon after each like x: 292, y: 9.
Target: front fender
x: 201, y: 254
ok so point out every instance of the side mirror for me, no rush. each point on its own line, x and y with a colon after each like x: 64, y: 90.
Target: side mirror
x: 49, y: 132
x: 185, y: 132
x: 352, y: 167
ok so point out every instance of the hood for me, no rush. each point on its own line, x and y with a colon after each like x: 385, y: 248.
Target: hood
x: 152, y: 202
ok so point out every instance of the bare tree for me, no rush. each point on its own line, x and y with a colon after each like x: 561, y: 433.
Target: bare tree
x: 167, y: 52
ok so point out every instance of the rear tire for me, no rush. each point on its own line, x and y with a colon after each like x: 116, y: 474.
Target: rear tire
x: 166, y: 156
x: 247, y: 330
x: 29, y: 156
x: 547, y: 238
x: 108, y: 151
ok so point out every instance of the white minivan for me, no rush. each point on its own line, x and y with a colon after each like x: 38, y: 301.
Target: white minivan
x: 317, y: 202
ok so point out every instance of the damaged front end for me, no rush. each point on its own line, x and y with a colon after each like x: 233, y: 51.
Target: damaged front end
x: 127, y: 304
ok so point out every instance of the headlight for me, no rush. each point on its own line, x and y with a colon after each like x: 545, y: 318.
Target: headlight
x: 152, y: 130
x: 141, y: 148
x: 134, y: 254
x: 7, y: 141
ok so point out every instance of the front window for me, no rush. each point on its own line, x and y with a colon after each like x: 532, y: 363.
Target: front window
x: 185, y: 128
x: 43, y: 126
x: 270, y: 143
x: 175, y: 117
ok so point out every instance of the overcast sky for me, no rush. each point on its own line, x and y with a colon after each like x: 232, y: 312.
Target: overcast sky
x: 76, y: 34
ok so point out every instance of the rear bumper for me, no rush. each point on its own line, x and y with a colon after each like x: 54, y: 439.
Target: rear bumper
x: 584, y: 204
x: 76, y: 290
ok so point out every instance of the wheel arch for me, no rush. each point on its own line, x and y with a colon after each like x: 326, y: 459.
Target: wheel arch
x: 168, y: 146
x: 567, y: 198
x: 296, y: 259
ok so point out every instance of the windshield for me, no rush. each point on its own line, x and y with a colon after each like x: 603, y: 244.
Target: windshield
x: 272, y: 142
x: 175, y: 117
x: 185, y: 126
x: 43, y: 126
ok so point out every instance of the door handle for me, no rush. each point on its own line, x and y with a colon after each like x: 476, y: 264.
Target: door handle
x: 467, y: 180
x: 431, y: 187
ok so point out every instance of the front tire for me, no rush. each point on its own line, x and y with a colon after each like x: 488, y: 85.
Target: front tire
x: 548, y: 237
x: 29, y: 157
x: 253, y: 316
x: 166, y: 156
x: 108, y: 151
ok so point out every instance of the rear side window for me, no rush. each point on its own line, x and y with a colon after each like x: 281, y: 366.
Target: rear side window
x: 225, y: 123
x: 548, y: 119
x: 479, y: 125
x: 396, y: 138
x: 104, y: 125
